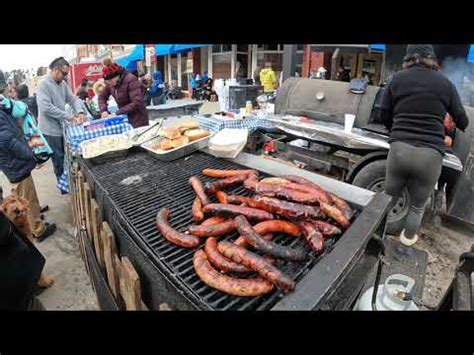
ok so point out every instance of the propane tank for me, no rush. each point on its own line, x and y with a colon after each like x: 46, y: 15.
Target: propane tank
x: 393, y: 295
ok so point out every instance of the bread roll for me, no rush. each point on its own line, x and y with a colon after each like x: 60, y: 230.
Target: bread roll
x: 178, y: 142
x: 172, y: 133
x: 184, y: 126
x: 195, y: 134
x: 166, y: 144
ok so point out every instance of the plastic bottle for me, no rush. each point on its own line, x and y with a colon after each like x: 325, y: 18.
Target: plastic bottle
x: 248, y: 107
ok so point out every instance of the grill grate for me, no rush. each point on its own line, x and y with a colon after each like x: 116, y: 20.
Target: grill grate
x: 165, y: 184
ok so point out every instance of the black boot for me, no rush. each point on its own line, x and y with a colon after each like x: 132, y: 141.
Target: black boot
x: 50, y: 229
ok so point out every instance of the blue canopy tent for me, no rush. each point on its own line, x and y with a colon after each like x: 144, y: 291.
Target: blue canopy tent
x: 377, y: 47
x: 165, y: 49
x: 470, y: 55
x: 130, y: 61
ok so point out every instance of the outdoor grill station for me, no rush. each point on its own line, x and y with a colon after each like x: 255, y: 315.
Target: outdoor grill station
x: 133, y: 267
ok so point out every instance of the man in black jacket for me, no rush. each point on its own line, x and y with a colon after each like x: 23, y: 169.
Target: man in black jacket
x: 413, y: 108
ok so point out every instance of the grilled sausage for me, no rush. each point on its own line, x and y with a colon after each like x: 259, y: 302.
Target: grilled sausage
x: 213, y: 220
x: 172, y: 235
x: 225, y: 183
x: 215, y: 173
x: 232, y: 210
x: 219, y: 261
x: 343, y: 206
x: 286, y: 209
x: 334, y: 213
x: 240, y: 200
x: 313, y: 236
x: 326, y: 229
x: 215, y: 230
x: 273, y: 190
x: 198, y: 216
x: 257, y: 263
x: 270, y: 248
x: 324, y: 195
x: 240, y: 241
x: 221, y: 196
x: 317, y: 194
x: 227, y: 284
x: 251, y: 182
x: 199, y: 189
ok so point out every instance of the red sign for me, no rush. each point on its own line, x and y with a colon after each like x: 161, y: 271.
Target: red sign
x: 89, y: 71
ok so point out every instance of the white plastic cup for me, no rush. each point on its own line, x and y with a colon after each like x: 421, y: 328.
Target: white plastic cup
x: 349, y: 120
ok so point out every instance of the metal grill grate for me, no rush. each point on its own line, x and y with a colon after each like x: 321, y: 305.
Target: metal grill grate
x: 165, y: 184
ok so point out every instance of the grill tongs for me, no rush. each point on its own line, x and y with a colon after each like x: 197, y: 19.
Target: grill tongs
x: 135, y: 138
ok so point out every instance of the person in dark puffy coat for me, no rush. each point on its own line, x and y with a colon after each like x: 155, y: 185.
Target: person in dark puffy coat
x: 127, y: 91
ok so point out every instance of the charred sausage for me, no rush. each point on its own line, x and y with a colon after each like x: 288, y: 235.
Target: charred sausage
x: 240, y: 200
x: 280, y: 191
x: 334, y: 213
x: 313, y: 236
x: 225, y: 183
x: 219, y: 261
x: 215, y: 230
x: 232, y: 210
x: 213, y: 220
x: 317, y: 194
x: 256, y: 263
x: 220, y: 174
x: 286, y: 209
x: 199, y: 189
x: 227, y: 284
x: 326, y: 229
x: 251, y: 182
x: 324, y: 195
x: 221, y: 196
x: 172, y: 235
x: 198, y: 216
x: 270, y: 248
x: 343, y: 206
x: 240, y: 241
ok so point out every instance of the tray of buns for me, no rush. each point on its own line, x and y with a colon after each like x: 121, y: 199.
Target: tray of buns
x: 178, y: 138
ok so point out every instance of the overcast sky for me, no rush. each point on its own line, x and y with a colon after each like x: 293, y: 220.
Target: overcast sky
x: 30, y: 56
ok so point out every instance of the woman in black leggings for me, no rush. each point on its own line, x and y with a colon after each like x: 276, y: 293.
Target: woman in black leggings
x: 413, y: 108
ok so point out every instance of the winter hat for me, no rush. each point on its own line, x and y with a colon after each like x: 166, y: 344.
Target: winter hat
x: 111, y: 69
x: 422, y: 50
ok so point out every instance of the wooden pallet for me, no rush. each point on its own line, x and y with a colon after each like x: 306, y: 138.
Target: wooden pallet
x: 121, y: 276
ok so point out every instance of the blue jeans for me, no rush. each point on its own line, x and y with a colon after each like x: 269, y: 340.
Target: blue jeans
x: 57, y: 145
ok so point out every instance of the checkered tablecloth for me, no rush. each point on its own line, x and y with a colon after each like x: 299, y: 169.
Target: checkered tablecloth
x: 250, y: 123
x: 75, y: 134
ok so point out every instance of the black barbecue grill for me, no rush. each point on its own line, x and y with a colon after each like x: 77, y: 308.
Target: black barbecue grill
x: 132, y: 208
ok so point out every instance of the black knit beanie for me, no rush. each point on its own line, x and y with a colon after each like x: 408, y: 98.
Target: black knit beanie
x: 422, y: 50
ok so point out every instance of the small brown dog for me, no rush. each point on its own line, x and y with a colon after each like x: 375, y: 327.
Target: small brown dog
x: 16, y: 209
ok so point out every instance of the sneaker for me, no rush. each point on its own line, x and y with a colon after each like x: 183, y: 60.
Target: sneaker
x: 408, y: 242
x: 49, y: 230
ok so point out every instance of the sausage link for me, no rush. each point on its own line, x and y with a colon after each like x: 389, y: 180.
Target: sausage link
x: 256, y: 263
x: 251, y: 182
x: 215, y: 230
x: 213, y: 220
x: 334, y: 213
x: 240, y: 241
x: 273, y: 190
x: 286, y: 209
x: 172, y: 235
x: 313, y: 236
x: 324, y: 195
x: 326, y: 229
x: 232, y: 210
x: 225, y: 183
x: 240, y: 200
x: 343, y: 206
x: 199, y: 189
x: 227, y: 284
x: 317, y: 193
x: 221, y: 196
x: 198, y: 216
x: 270, y: 248
x: 215, y: 173
x: 219, y: 261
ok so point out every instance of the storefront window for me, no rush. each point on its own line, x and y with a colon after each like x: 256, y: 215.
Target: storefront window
x: 241, y: 66
x: 174, y: 67
x: 221, y: 65
x: 185, y: 75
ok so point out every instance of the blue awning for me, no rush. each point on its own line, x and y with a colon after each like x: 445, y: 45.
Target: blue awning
x: 130, y: 61
x: 165, y: 49
x: 377, y: 47
x: 470, y: 55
